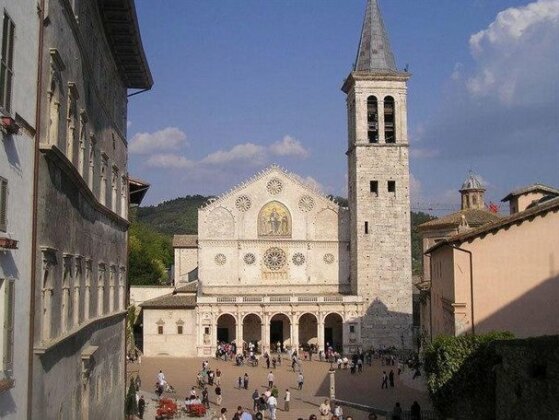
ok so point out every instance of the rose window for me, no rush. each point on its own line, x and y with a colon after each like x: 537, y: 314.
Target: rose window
x: 274, y: 258
x: 220, y: 259
x: 249, y: 258
x: 306, y: 203
x: 298, y: 258
x: 274, y: 186
x: 328, y: 258
x: 243, y: 203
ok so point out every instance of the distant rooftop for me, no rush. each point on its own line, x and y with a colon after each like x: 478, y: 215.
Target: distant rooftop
x: 138, y: 190
x: 472, y: 182
x: 532, y: 189
x: 185, y: 241
x: 474, y: 217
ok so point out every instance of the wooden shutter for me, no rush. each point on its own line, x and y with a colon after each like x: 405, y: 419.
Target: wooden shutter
x: 3, y: 204
x: 9, y: 296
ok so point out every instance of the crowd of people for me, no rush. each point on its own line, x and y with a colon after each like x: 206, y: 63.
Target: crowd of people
x: 266, y: 404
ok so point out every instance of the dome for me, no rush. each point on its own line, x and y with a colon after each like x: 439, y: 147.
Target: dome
x: 472, y: 182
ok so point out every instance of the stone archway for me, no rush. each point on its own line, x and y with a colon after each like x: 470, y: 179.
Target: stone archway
x: 252, y: 330
x: 226, y: 326
x: 308, y: 331
x: 280, y: 331
x: 333, y: 331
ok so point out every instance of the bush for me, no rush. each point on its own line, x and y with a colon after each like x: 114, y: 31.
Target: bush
x: 460, y: 374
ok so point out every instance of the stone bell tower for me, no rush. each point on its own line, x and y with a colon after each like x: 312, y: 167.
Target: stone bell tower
x: 378, y: 190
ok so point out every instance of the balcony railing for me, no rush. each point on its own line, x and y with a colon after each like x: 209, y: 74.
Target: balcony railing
x: 281, y: 299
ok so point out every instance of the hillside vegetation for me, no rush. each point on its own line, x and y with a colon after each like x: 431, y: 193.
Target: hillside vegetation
x: 153, y: 227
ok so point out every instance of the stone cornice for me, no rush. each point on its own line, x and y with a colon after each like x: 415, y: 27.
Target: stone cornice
x: 356, y: 76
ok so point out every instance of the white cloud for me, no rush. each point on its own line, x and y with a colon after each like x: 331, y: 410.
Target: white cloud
x: 417, y: 153
x: 169, y: 161
x: 311, y: 182
x: 248, y: 153
x: 289, y: 146
x: 170, y: 138
x: 517, y: 51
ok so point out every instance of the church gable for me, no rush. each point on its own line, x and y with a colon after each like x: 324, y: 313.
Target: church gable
x: 272, y: 205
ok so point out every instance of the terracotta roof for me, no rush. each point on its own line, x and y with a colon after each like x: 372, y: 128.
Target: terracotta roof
x: 550, y: 205
x: 191, y: 287
x: 178, y: 300
x: 138, y: 190
x: 185, y: 241
x: 530, y: 189
x: 474, y: 217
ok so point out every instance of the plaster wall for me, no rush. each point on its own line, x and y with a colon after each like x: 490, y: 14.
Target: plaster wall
x: 16, y: 166
x: 186, y: 260
x: 139, y: 294
x: 170, y: 343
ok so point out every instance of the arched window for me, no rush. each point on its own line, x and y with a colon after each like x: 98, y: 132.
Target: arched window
x: 389, y: 120
x: 372, y: 119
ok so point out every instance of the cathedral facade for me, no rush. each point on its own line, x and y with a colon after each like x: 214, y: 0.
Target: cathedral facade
x: 276, y: 262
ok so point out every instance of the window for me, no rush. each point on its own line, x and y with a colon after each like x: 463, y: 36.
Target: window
x: 207, y: 330
x: 7, y: 294
x: 372, y: 119
x: 160, y: 329
x: 3, y: 204
x: 392, y: 187
x: 366, y: 227
x: 389, y: 120
x: 373, y: 185
x: 352, y: 328
x: 7, y: 63
x: 179, y: 329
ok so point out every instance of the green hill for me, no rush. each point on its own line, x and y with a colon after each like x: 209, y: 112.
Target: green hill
x: 153, y: 227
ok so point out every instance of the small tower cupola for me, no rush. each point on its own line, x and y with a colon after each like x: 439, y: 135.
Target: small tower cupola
x: 472, y: 193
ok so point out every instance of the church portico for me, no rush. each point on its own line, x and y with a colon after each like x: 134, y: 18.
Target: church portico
x: 294, y: 321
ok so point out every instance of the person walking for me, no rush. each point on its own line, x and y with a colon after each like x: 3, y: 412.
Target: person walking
x: 287, y: 400
x: 415, y: 411
x: 255, y: 398
x: 384, y: 384
x: 270, y: 379
x: 397, y: 412
x: 206, y: 398
x: 272, y: 406
x: 300, y: 380
x: 217, y: 377
x: 324, y: 410
x: 245, y: 381
x: 141, y: 407
x: 223, y: 415
x: 339, y: 412
x: 391, y: 378
x: 218, y: 396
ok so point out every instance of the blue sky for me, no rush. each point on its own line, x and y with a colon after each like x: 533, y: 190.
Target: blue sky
x: 243, y: 84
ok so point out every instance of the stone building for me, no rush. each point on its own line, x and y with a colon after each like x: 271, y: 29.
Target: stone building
x: 18, y: 94
x: 91, y: 55
x: 278, y: 262
x: 503, y: 275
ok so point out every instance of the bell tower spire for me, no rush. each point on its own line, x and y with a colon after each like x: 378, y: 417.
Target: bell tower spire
x: 378, y: 187
x: 374, y: 53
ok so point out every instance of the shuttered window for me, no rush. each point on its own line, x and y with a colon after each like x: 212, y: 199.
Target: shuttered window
x: 7, y: 63
x: 3, y: 204
x: 8, y: 346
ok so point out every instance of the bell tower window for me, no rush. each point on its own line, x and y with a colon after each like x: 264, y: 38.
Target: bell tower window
x: 372, y: 119
x: 389, y: 120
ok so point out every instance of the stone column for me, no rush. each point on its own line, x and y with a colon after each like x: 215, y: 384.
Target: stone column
x: 320, y: 336
x: 295, y: 332
x: 381, y: 138
x: 263, y: 331
x: 266, y: 336
x: 332, y: 388
x: 239, y: 332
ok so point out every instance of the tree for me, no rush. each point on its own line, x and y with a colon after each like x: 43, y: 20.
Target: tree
x: 131, y: 405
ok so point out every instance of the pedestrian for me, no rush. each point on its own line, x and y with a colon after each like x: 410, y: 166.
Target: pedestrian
x: 397, y: 412
x: 161, y: 378
x: 223, y: 414
x: 338, y: 411
x: 324, y: 410
x: 287, y: 400
x: 267, y: 361
x: 240, y: 382
x: 274, y: 362
x: 245, y: 381
x: 138, y: 383
x: 141, y: 407
x: 272, y: 405
x: 384, y: 380
x: 391, y: 378
x: 275, y: 392
x: 300, y: 380
x: 270, y: 379
x: 218, y: 396
x: 415, y: 411
x: 206, y: 398
x: 255, y: 398
x: 218, y: 377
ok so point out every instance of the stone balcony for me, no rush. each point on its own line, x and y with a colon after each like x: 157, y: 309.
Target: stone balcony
x: 280, y: 299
